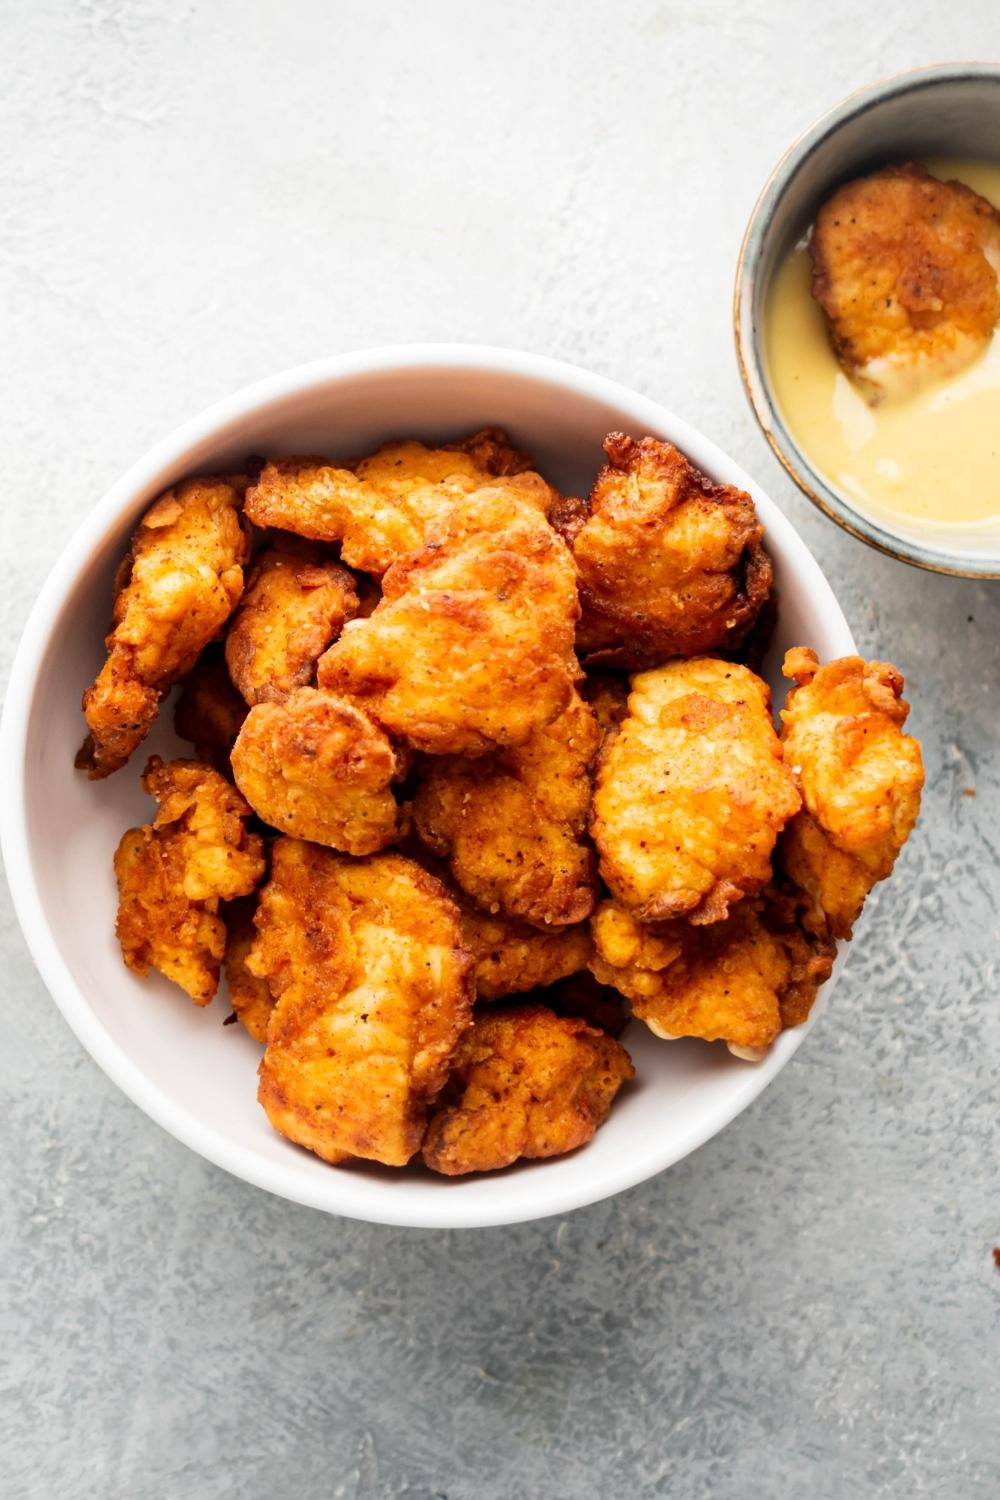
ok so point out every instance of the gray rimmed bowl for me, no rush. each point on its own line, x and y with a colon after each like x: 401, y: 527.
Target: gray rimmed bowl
x: 949, y: 110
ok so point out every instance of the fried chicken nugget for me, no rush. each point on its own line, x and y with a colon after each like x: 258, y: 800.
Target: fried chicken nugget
x: 670, y: 564
x: 174, y: 591
x: 738, y: 981
x: 209, y: 711
x: 173, y: 873
x: 251, y: 997
x: 512, y: 958
x: 512, y: 826
x: 691, y: 793
x: 317, y: 767
x: 294, y: 604
x: 526, y: 1083
x: 860, y: 777
x: 383, y: 508
x: 373, y: 991
x: 907, y: 270
x: 471, y: 646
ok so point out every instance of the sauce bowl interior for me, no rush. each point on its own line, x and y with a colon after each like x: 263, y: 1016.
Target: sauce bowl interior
x: 953, y: 110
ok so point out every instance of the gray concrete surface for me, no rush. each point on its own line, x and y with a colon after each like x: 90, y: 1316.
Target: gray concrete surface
x: 197, y: 194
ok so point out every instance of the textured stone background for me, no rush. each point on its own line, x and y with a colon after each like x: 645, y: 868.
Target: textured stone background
x: 195, y: 195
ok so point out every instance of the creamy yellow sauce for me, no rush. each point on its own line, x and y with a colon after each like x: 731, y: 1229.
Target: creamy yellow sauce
x: 927, y: 464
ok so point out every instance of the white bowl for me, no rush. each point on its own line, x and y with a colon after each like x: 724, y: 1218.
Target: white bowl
x: 188, y: 1072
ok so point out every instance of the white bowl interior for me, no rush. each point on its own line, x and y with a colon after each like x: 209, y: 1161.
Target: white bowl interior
x: 181, y: 1064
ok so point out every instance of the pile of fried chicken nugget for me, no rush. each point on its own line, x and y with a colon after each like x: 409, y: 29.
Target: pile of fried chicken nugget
x: 479, y: 771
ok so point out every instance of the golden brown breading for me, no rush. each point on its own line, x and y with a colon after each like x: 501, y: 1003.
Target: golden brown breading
x: 512, y: 957
x: 513, y: 825
x: 373, y: 991
x: 173, y: 873
x: 487, y: 454
x: 384, y: 508
x: 860, y: 778
x: 471, y: 647
x: 174, y: 591
x: 692, y: 792
x: 568, y: 516
x: 723, y: 986
x: 319, y: 768
x: 492, y: 452
x: 738, y: 981
x: 526, y: 1083
x: 333, y: 504
x: 906, y: 269
x: 835, y: 882
x: 670, y: 564
x: 251, y: 997
x: 294, y: 604
x: 209, y: 711
x: 629, y: 954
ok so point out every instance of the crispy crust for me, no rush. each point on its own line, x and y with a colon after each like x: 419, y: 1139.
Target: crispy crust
x: 691, y: 793
x: 174, y: 592
x: 905, y: 267
x: 860, y: 777
x: 294, y: 605
x: 739, y: 981
x: 493, y: 453
x: 512, y: 826
x: 387, y: 505
x: 670, y: 564
x: 512, y: 958
x: 526, y: 1084
x: 173, y: 873
x: 471, y: 646
x: 629, y: 955
x: 373, y: 990
x: 317, y: 767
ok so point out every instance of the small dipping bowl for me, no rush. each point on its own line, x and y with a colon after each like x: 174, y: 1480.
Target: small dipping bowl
x: 952, y: 110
